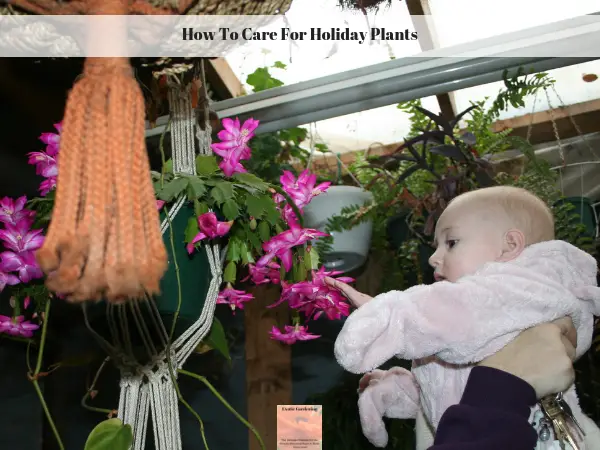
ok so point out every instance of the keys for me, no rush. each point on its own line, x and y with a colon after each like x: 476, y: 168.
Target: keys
x: 562, y: 404
x: 559, y: 413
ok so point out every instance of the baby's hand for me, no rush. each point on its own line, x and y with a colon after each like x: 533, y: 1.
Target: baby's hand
x: 356, y: 298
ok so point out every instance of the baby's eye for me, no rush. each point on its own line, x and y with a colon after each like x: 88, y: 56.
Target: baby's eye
x: 451, y: 242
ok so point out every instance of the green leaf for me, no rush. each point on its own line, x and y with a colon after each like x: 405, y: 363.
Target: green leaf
x: 247, y: 257
x: 111, y: 434
x: 261, y: 79
x: 260, y: 205
x: 196, y: 188
x: 296, y: 134
x: 230, y: 272
x: 322, y: 148
x: 173, y: 188
x: 233, y: 250
x: 253, y: 239
x: 311, y: 259
x: 200, y: 208
x: 206, y: 165
x: 279, y: 65
x: 299, y: 272
x: 251, y: 180
x: 272, y: 214
x: 191, y: 229
x: 217, y: 339
x: 231, y: 210
x: 222, y: 192
x: 264, y: 231
x: 168, y: 167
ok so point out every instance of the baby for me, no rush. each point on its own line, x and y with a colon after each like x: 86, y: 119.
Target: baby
x: 499, y: 271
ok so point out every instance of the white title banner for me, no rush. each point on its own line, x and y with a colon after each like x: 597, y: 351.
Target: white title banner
x: 196, y: 36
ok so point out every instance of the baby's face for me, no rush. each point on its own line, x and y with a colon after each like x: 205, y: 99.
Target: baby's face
x: 465, y: 239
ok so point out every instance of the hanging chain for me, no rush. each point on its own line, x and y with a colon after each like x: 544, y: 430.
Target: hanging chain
x: 575, y: 125
x: 555, y: 128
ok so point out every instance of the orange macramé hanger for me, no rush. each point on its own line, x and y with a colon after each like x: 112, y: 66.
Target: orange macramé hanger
x: 104, y: 239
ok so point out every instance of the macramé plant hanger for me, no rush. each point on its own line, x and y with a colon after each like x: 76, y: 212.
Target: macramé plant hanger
x: 141, y: 344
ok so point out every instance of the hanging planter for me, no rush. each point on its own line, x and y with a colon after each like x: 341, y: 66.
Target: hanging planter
x: 350, y: 248
x: 192, y: 273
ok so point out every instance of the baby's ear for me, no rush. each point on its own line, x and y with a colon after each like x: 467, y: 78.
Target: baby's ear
x: 513, y: 245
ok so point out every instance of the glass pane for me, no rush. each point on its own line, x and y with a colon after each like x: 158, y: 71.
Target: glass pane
x: 379, y: 126
x: 570, y: 88
x: 313, y: 58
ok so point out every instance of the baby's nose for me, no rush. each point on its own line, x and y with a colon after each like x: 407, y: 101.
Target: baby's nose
x: 434, y: 260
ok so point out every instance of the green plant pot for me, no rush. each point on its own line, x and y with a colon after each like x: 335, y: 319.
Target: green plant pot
x: 194, y: 274
x: 584, y: 209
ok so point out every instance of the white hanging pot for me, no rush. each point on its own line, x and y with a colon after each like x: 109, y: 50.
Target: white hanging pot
x: 350, y: 247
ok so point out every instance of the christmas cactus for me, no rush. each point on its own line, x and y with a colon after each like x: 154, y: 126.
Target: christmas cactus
x: 261, y: 223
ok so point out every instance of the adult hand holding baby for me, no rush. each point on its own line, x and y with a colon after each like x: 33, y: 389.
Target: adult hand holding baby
x: 542, y: 356
x: 356, y: 298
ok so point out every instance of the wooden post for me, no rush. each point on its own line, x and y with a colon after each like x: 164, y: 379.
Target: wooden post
x: 268, y: 365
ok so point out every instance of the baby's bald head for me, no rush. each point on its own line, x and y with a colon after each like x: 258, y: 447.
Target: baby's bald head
x: 511, y: 207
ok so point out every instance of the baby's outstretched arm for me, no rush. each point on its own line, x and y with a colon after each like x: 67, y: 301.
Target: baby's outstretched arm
x: 460, y: 322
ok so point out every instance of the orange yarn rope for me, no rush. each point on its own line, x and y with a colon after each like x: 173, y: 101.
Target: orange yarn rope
x: 104, y: 239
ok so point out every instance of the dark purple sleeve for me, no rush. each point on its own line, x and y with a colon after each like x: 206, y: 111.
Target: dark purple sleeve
x: 492, y: 415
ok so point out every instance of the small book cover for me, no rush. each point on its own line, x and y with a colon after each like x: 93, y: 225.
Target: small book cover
x: 299, y: 427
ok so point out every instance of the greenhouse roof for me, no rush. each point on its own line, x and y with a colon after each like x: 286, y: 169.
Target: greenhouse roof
x: 452, y: 23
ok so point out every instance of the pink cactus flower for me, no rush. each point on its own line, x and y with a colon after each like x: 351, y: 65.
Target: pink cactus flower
x: 8, y: 279
x: 263, y: 275
x: 292, y: 334
x: 52, y: 140
x: 231, y: 165
x: 13, y: 211
x: 281, y: 245
x: 46, y: 162
x: 17, y: 326
x: 45, y: 165
x: 20, y: 238
x: 319, y: 276
x: 234, y: 144
x: 47, y: 185
x: 303, y: 189
x: 210, y: 228
x: 24, y: 263
x: 160, y: 204
x: 234, y: 298
x: 314, y: 298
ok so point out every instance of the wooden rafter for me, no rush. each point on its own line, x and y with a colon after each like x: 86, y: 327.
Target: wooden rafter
x: 224, y: 81
x: 428, y: 41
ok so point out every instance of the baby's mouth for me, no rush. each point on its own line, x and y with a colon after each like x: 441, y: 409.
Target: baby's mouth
x: 438, y: 277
